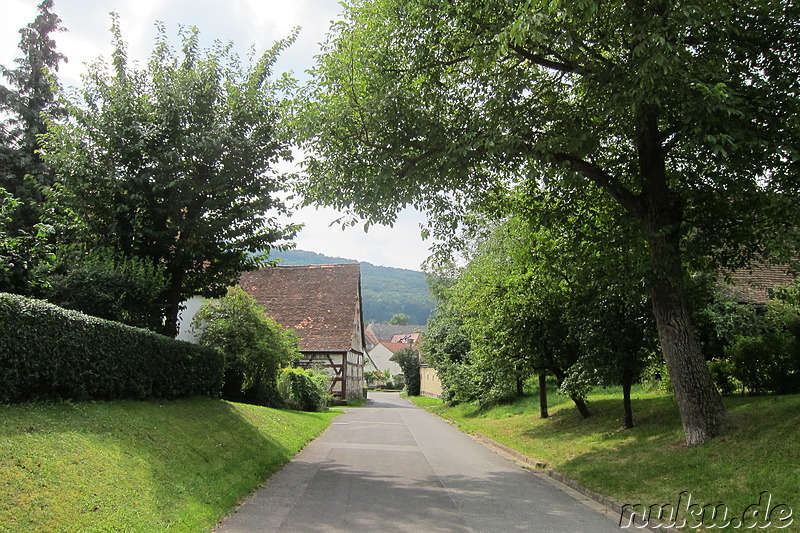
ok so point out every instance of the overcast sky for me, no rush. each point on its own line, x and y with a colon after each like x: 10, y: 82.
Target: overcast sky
x: 245, y: 22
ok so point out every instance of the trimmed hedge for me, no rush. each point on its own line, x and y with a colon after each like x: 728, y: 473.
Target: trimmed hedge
x: 47, y: 352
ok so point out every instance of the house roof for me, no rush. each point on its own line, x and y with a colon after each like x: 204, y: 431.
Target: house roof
x: 322, y: 303
x: 753, y: 285
x: 371, y: 338
x: 385, y: 332
x: 408, y: 338
x: 395, y: 347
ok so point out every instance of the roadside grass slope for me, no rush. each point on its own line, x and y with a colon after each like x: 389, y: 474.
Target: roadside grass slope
x: 139, y: 466
x: 651, y: 464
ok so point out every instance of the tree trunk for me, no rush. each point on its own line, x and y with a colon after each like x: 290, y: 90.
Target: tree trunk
x: 543, y: 395
x: 579, y: 402
x: 699, y: 402
x: 520, y: 387
x: 660, y: 211
x: 626, y: 399
x: 170, y: 328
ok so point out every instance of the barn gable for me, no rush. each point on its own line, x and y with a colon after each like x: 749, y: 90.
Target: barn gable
x: 322, y: 304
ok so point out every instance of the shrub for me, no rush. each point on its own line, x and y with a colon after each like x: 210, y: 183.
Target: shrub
x: 765, y: 363
x: 47, y: 353
x: 371, y: 376
x: 254, y: 345
x: 655, y: 376
x: 304, y: 389
x: 722, y: 373
x: 408, y: 359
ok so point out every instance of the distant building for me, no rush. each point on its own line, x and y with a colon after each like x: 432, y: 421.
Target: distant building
x: 753, y: 285
x: 384, y: 340
x: 376, y: 333
x: 322, y: 304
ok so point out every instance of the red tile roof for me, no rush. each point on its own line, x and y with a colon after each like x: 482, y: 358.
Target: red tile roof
x: 322, y: 303
x: 395, y: 347
x: 752, y: 286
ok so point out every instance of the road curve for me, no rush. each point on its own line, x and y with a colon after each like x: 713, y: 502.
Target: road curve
x: 392, y: 467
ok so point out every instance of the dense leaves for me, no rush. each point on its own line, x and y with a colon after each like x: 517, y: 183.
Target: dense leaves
x: 25, y: 251
x: 255, y: 347
x: 99, y: 283
x: 685, y: 114
x: 564, y: 298
x: 305, y: 389
x: 408, y: 359
x: 173, y: 161
x: 48, y: 353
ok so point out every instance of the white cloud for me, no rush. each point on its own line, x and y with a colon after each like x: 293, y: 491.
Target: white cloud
x: 244, y: 22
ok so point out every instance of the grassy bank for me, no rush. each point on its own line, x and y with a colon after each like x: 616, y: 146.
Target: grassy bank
x: 139, y: 466
x: 650, y: 464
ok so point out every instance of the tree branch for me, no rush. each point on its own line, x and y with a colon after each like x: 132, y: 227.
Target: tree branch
x: 597, y: 175
x: 561, y: 66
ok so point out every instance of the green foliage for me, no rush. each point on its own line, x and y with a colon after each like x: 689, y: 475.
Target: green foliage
x: 408, y: 359
x: 754, y: 348
x: 25, y: 238
x: 399, y: 319
x: 26, y: 254
x: 304, y: 389
x: 254, y: 346
x: 99, y: 283
x: 722, y: 371
x: 173, y: 161
x: 49, y: 352
x: 684, y: 115
x: 446, y: 348
x: 371, y: 376
x: 566, y: 297
x: 765, y: 363
x: 655, y: 376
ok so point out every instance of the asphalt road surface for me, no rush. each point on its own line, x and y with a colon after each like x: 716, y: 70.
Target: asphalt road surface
x: 392, y: 467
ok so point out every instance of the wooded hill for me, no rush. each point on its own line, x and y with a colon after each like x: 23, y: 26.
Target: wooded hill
x: 386, y: 291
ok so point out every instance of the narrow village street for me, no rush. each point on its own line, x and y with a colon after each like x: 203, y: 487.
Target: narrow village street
x: 391, y: 466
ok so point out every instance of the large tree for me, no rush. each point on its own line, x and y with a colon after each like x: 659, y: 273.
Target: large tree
x: 685, y: 113
x: 30, y: 92
x: 174, y: 161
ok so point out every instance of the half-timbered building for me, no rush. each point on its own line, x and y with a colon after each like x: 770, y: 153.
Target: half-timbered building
x: 322, y: 304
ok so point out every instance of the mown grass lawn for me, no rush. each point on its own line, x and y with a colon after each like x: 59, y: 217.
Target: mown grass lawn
x: 139, y: 466
x: 650, y: 464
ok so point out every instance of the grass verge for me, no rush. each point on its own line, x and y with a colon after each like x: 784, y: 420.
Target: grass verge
x: 139, y: 466
x: 650, y: 464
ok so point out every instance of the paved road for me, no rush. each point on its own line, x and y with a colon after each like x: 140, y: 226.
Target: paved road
x: 393, y: 467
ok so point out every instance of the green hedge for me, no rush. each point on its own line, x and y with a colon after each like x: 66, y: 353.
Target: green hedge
x: 304, y: 389
x: 47, y: 352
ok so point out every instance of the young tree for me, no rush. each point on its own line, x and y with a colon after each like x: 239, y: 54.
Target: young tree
x: 30, y: 93
x: 255, y: 346
x: 408, y: 359
x: 686, y: 114
x: 399, y: 319
x: 174, y: 161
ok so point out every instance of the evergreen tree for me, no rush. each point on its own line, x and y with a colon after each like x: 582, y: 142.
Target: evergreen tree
x: 30, y: 92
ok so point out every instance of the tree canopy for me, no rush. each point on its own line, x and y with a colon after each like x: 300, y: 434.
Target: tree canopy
x: 684, y: 113
x: 174, y: 161
x: 30, y: 92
